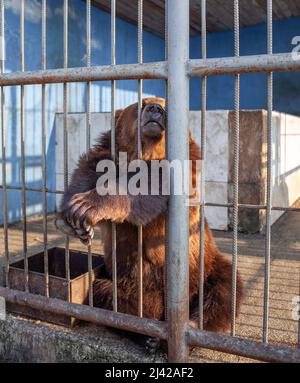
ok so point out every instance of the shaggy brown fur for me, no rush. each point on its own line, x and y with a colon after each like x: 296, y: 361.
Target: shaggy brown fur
x: 82, y: 208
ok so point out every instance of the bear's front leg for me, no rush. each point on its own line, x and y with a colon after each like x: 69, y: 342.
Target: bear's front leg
x: 85, y: 210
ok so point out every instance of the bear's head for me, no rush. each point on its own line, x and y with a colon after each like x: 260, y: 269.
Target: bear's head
x: 153, y: 129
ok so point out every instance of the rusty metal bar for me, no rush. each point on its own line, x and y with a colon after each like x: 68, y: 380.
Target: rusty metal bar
x: 140, y: 154
x: 95, y: 315
x: 22, y: 145
x: 269, y: 179
x: 282, y: 62
x: 236, y: 159
x: 44, y: 148
x: 66, y: 146
x: 178, y: 221
x: 88, y: 131
x: 156, y: 70
x: 113, y: 154
x: 166, y: 156
x: 213, y: 341
x: 3, y: 137
x: 203, y: 158
x: 242, y: 347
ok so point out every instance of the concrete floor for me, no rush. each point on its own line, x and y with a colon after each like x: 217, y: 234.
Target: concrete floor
x: 284, y: 283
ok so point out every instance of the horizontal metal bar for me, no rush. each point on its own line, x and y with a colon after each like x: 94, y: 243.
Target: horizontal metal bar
x: 192, y: 203
x: 245, y: 206
x: 213, y: 341
x: 156, y: 70
x: 98, y: 316
x: 153, y: 328
x: 282, y: 62
x: 242, y: 347
x: 27, y: 188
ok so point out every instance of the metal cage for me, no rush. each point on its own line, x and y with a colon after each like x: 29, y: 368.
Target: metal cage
x: 176, y: 70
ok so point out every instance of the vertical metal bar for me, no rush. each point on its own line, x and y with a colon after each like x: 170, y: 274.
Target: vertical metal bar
x: 236, y: 159
x: 44, y: 168
x: 298, y: 308
x: 22, y: 144
x: 203, y: 158
x: 3, y: 136
x: 269, y: 179
x: 113, y: 153
x: 166, y: 155
x: 66, y: 162
x: 139, y: 143
x: 178, y: 249
x: 88, y: 131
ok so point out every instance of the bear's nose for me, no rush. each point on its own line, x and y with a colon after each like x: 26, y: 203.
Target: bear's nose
x: 155, y: 110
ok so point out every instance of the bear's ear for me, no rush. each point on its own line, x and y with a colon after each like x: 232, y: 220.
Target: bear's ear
x: 118, y: 114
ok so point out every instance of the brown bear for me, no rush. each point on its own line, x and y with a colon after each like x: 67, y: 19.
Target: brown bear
x: 83, y: 208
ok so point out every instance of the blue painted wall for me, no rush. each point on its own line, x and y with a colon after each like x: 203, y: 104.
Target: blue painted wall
x: 253, y: 41
x: 220, y: 88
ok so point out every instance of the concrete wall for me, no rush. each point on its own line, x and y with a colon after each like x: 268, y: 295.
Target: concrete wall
x: 253, y: 165
x: 286, y: 163
x: 219, y: 163
x: 27, y: 341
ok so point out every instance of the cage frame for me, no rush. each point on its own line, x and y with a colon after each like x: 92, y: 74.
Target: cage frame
x: 176, y: 70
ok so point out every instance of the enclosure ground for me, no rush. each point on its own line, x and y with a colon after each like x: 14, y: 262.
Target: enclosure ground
x: 284, y: 286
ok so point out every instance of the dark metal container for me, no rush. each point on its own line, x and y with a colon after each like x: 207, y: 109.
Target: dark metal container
x: 58, y: 285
